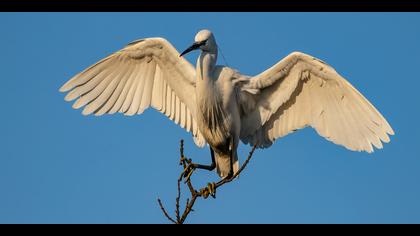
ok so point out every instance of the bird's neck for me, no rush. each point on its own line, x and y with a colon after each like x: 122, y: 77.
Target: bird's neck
x: 206, y: 64
x: 206, y: 89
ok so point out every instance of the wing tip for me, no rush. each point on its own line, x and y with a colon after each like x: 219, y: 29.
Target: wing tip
x: 71, y: 96
x: 78, y: 104
x: 369, y: 149
x: 64, y: 88
x: 87, y: 111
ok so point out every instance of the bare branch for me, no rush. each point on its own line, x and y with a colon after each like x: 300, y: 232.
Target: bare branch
x: 209, y: 190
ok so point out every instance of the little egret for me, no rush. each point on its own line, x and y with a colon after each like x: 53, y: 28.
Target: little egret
x: 220, y: 106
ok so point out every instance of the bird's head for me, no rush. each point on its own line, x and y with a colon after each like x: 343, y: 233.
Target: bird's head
x: 203, y: 40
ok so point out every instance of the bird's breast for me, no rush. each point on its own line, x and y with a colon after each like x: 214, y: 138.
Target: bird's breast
x: 213, y: 118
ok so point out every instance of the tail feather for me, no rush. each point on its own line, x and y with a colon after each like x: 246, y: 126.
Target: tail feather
x: 223, y: 164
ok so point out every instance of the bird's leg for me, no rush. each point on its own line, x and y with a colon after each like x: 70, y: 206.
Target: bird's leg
x: 230, y: 175
x: 192, y: 166
x: 207, y: 167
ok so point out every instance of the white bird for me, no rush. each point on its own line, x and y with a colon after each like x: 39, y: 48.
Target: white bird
x: 220, y: 106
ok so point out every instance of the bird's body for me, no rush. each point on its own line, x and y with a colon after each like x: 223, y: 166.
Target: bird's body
x: 218, y: 115
x: 220, y: 106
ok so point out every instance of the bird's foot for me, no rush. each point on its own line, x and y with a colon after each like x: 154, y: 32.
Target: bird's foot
x: 188, y: 170
x: 210, y: 190
x: 228, y: 178
x: 190, y: 167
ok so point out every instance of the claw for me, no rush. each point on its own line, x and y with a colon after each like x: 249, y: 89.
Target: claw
x: 187, y: 172
x: 210, y: 190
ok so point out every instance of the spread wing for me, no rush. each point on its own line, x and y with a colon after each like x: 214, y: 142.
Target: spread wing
x: 301, y: 91
x: 147, y: 72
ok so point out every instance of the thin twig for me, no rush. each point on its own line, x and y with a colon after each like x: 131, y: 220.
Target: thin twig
x: 187, y: 202
x: 164, y: 212
x: 177, y: 201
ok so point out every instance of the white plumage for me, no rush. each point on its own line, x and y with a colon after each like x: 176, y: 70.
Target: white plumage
x: 220, y: 106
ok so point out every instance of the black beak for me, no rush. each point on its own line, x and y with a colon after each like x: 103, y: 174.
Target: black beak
x: 193, y: 47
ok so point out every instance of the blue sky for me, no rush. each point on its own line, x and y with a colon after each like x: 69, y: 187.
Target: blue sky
x: 58, y: 166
